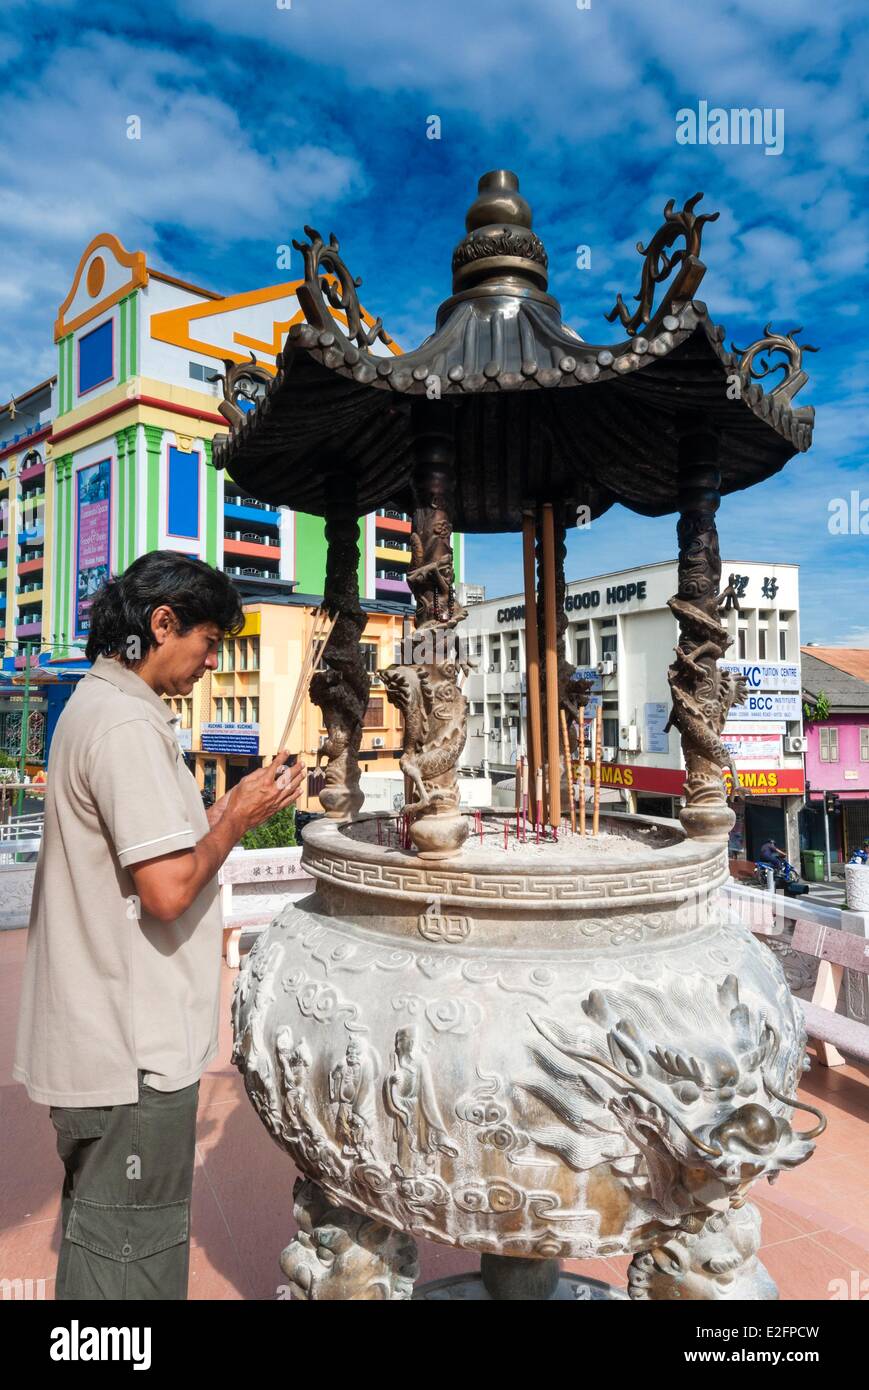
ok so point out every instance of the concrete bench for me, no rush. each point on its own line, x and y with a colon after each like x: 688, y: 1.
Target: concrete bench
x: 837, y: 941
x: 255, y: 884
x: 742, y: 870
x: 837, y: 951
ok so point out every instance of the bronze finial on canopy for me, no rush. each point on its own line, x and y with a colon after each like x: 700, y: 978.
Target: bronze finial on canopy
x: 500, y: 242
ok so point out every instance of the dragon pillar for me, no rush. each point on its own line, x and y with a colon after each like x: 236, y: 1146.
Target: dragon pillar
x: 425, y: 686
x: 702, y: 693
x: 341, y: 686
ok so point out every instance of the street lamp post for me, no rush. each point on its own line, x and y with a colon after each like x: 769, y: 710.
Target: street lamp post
x: 25, y: 721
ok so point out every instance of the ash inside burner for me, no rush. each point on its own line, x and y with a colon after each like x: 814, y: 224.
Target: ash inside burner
x: 622, y: 845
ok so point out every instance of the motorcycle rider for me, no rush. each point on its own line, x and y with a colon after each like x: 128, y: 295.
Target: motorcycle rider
x: 771, y: 854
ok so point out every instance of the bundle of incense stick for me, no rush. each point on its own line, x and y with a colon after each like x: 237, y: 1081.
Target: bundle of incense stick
x: 320, y: 634
x: 568, y: 769
x: 598, y: 754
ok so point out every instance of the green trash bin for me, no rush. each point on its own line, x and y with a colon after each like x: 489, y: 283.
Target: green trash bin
x: 813, y: 865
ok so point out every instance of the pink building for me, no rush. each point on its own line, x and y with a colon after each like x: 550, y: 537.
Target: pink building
x: 837, y: 757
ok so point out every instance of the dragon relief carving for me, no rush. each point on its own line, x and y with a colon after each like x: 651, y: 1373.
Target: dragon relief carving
x: 431, y: 577
x: 426, y: 688
x: 435, y: 727
x: 341, y: 686
x: 255, y: 992
x: 688, y: 1128
x: 702, y: 694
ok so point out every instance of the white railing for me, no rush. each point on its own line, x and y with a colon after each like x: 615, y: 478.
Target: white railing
x: 23, y: 827
x: 774, y: 916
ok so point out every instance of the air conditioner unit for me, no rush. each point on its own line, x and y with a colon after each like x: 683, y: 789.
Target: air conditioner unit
x: 378, y: 741
x: 512, y: 666
x: 492, y: 668
x: 797, y: 744
x: 629, y: 738
x: 606, y: 667
x: 608, y: 755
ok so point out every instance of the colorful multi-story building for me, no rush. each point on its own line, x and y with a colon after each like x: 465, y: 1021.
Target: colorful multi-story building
x: 238, y: 712
x: 139, y: 352
x: 26, y: 505
x: 836, y: 695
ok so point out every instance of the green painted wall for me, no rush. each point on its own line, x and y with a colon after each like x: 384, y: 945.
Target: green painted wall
x: 310, y: 573
x: 153, y: 445
x: 62, y: 547
x: 64, y: 375
x: 132, y: 433
x: 122, y: 365
x: 212, y: 507
x: 120, y: 508
x: 310, y: 553
x: 129, y: 347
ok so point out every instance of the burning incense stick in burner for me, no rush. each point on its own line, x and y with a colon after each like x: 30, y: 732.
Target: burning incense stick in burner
x: 598, y: 754
x: 317, y: 642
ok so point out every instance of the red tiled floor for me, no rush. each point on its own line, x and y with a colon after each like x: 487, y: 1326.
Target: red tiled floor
x: 815, y: 1219
x: 803, y: 1268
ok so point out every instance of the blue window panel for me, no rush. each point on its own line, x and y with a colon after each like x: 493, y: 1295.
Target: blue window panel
x: 95, y: 353
x: 183, y: 517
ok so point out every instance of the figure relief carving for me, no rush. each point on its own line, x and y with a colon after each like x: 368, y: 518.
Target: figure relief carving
x: 294, y: 1064
x: 409, y: 1098
x: 351, y: 1091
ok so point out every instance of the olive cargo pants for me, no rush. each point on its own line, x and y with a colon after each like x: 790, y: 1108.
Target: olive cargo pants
x: 126, y: 1196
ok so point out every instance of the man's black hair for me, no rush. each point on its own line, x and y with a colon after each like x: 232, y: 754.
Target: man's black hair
x: 196, y: 593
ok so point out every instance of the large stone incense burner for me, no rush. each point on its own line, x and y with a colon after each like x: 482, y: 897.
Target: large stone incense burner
x: 533, y: 1055
x: 523, y: 1042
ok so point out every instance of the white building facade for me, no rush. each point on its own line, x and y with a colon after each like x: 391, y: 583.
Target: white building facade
x: 621, y: 632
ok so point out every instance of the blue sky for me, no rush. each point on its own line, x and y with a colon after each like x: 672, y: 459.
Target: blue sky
x: 257, y: 119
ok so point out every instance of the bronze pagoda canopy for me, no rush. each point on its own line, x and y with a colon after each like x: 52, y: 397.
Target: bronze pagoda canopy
x: 536, y: 410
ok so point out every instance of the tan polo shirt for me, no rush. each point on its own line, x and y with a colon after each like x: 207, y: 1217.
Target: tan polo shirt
x: 109, y: 990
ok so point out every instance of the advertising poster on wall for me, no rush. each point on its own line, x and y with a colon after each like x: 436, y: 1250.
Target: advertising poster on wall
x: 657, y: 714
x: 754, y: 748
x: 92, y: 547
